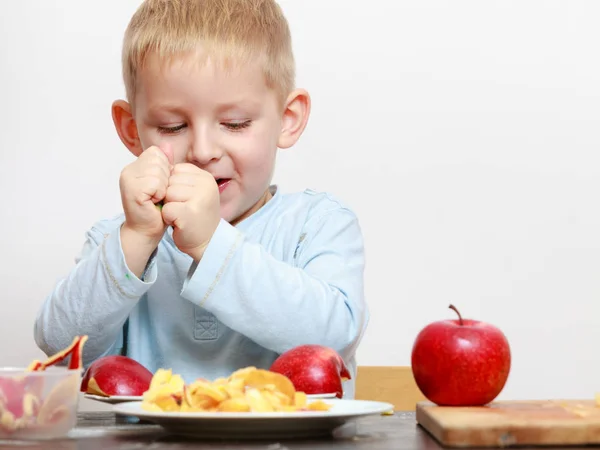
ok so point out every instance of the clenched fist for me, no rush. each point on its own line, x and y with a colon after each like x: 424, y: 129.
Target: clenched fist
x: 192, y: 207
x: 144, y: 183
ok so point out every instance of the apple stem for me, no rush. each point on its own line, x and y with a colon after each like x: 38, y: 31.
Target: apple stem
x: 456, y: 310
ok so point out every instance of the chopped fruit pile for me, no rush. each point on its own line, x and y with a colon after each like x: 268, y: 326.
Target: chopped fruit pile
x: 246, y: 390
x: 21, y: 402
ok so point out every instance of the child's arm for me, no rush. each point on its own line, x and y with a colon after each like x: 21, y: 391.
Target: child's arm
x: 100, y: 292
x: 277, y: 305
x: 95, y: 298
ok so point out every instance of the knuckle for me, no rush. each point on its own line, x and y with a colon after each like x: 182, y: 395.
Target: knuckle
x: 126, y: 171
x: 139, y: 198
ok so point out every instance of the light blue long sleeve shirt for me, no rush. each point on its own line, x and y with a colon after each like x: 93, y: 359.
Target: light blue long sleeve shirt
x: 290, y: 274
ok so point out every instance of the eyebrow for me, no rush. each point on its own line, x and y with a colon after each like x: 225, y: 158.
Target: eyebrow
x: 158, y: 108
x: 241, y: 105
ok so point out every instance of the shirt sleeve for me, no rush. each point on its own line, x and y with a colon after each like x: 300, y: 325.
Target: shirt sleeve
x: 94, y: 299
x: 319, y: 299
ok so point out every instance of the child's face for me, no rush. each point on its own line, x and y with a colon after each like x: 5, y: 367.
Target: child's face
x: 227, y: 123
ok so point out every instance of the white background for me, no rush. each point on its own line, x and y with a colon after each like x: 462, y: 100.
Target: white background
x: 465, y: 135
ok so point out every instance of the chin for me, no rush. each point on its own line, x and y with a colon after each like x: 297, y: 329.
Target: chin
x: 228, y: 215
x: 233, y: 211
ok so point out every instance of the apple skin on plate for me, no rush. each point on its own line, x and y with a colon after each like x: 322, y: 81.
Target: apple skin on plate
x: 313, y: 369
x: 116, y: 375
x: 460, y: 362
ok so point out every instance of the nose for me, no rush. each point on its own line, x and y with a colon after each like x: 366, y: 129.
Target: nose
x: 204, y: 148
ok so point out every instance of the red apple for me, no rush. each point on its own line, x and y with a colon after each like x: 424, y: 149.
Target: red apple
x: 313, y: 369
x: 116, y: 375
x: 461, y: 362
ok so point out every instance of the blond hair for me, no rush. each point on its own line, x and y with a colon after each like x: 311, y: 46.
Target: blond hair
x: 231, y: 31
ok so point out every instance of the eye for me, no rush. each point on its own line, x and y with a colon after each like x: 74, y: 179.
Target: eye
x: 237, y: 126
x: 171, y: 130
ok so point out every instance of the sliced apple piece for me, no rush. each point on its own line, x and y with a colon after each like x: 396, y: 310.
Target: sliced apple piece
x: 264, y: 379
x: 257, y: 402
x: 234, y: 405
x: 63, y: 395
x: 7, y: 421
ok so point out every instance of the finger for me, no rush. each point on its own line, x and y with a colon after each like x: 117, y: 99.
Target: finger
x: 153, y: 188
x: 183, y: 178
x: 153, y: 166
x: 179, y: 193
x: 157, y: 171
x: 165, y: 173
x: 167, y: 149
x: 202, y: 176
x: 171, y: 212
x: 156, y: 155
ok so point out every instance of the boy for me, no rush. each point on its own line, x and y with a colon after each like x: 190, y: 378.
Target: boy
x: 211, y: 268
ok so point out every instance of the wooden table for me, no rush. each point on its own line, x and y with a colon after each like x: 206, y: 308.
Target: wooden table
x: 102, y: 430
x: 105, y: 431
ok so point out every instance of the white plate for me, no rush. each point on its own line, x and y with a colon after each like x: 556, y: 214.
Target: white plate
x: 315, y: 396
x: 132, y: 398
x: 114, y: 399
x: 278, y: 425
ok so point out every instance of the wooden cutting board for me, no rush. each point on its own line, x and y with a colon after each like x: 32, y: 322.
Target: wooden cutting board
x: 512, y: 423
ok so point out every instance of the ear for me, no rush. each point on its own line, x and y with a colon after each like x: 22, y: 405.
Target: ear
x: 126, y: 126
x: 295, y: 118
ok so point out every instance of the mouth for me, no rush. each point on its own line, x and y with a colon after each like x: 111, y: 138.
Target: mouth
x: 222, y: 183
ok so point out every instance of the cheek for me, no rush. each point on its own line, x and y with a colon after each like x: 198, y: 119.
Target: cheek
x: 180, y: 151
x: 258, y: 154
x: 253, y: 163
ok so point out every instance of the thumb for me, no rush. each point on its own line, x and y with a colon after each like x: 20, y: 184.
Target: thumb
x: 168, y: 151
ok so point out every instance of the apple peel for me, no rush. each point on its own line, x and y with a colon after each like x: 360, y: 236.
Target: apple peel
x: 75, y: 351
x: 116, y: 375
x: 314, y: 369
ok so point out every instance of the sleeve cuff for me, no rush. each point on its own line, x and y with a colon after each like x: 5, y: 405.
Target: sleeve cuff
x: 150, y: 271
x: 203, y: 277
x: 123, y: 279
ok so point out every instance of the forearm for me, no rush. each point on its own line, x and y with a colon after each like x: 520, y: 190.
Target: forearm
x: 137, y: 249
x: 280, y: 306
x: 94, y: 299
